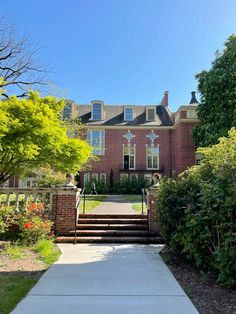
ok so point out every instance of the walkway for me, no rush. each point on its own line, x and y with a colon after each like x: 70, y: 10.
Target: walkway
x: 105, y: 279
x: 114, y: 204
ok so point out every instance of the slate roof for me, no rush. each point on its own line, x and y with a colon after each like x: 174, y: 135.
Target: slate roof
x: 114, y: 115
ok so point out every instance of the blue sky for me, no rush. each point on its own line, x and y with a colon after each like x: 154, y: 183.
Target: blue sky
x: 125, y: 51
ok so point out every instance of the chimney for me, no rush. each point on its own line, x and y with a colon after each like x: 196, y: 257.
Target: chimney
x: 164, y: 101
x: 193, y: 100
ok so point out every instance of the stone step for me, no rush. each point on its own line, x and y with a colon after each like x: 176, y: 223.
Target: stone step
x: 114, y: 216
x: 112, y: 226
x: 105, y: 233
x: 111, y: 221
x: 99, y: 239
x: 144, y: 240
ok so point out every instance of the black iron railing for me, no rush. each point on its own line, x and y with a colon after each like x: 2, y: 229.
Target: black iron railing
x: 144, y: 199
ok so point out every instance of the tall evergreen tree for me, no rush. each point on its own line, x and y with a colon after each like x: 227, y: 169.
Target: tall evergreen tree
x: 217, y: 87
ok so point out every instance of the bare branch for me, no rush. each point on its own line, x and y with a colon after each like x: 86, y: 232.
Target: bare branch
x: 18, y: 68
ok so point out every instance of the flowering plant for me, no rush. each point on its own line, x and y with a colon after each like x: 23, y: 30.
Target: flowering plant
x: 34, y: 225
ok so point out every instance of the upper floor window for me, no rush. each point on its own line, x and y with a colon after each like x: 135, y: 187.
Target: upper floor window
x: 96, y: 139
x: 97, y: 111
x: 129, y: 114
x: 150, y: 114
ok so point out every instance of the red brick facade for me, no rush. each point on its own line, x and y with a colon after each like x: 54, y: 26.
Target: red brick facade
x: 176, y: 149
x: 63, y: 210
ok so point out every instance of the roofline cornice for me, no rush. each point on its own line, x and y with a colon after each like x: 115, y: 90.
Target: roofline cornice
x: 140, y: 127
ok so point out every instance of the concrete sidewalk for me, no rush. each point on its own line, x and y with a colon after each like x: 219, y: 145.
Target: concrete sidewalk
x: 107, y: 279
x: 114, y: 204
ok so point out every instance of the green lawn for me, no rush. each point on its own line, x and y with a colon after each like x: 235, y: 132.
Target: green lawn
x: 12, y: 198
x: 91, y: 201
x: 136, y: 201
x: 14, y: 287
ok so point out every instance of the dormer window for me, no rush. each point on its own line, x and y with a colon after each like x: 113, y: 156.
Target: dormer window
x: 128, y: 114
x: 97, y: 110
x: 150, y: 113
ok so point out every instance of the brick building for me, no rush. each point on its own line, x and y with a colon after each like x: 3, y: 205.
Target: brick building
x: 136, y: 141
x: 133, y: 141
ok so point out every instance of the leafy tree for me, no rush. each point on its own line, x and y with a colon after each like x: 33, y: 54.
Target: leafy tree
x: 217, y: 108
x: 32, y: 135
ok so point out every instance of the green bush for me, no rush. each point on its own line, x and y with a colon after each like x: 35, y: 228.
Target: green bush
x: 6, y: 220
x: 197, y: 211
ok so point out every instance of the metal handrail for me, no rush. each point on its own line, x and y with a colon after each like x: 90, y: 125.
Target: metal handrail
x: 82, y: 194
x: 144, y: 200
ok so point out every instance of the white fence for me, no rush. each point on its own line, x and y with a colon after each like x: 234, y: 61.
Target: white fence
x: 20, y: 198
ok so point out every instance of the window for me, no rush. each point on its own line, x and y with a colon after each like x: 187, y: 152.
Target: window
x: 128, y: 114
x: 198, y: 157
x: 94, y: 176
x: 86, y: 178
x: 123, y: 176
x: 97, y: 111
x: 148, y: 178
x: 133, y: 177
x: 152, y: 155
x: 103, y: 177
x: 129, y: 157
x: 96, y: 139
x: 150, y: 114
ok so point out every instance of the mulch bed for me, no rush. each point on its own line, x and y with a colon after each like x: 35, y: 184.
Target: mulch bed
x: 207, y: 296
x: 28, y: 266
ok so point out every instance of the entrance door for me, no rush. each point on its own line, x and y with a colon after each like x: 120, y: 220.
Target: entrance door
x: 126, y: 162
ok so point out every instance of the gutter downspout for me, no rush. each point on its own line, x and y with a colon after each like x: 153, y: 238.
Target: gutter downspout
x: 170, y: 155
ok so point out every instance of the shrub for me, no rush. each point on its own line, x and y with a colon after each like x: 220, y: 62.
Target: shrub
x: 6, y: 220
x: 197, y: 211
x: 33, y: 224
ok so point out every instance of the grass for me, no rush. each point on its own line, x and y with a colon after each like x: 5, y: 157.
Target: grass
x: 12, y: 198
x: 91, y: 201
x: 14, y: 287
x: 136, y: 200
x: 48, y: 251
x: 14, y: 251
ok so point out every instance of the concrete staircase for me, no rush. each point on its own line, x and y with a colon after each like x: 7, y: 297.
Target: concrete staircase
x: 110, y: 228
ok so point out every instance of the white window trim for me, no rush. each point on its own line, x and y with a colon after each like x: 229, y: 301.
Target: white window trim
x: 128, y: 107
x: 94, y: 176
x: 105, y: 175
x: 158, y: 161
x: 100, y: 136
x: 86, y: 175
x: 102, y: 109
x: 148, y: 177
x: 124, y: 176
x: 134, y: 146
x: 151, y: 107
x: 133, y: 175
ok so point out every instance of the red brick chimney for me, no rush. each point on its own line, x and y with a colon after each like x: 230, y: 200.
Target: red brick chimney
x: 164, y: 101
